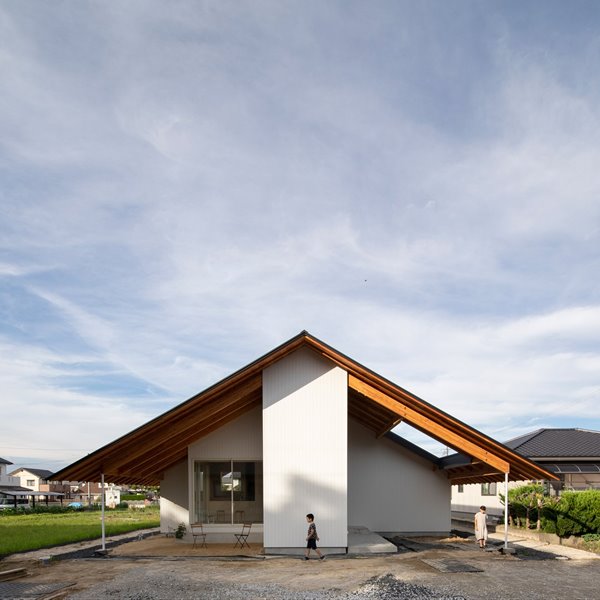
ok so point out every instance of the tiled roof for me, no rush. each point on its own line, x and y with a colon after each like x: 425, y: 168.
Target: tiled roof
x: 568, y: 443
x: 42, y: 473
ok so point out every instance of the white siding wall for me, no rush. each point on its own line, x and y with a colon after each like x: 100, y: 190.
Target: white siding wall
x: 470, y: 499
x: 241, y: 439
x: 174, y: 497
x: 305, y: 420
x: 392, y: 490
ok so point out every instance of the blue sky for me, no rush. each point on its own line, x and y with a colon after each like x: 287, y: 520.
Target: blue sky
x: 186, y: 185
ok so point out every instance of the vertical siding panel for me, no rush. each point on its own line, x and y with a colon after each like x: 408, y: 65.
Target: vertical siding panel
x: 305, y: 445
x: 241, y: 439
x: 391, y: 490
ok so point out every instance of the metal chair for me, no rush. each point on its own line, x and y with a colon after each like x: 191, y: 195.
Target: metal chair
x: 198, y: 533
x: 242, y: 538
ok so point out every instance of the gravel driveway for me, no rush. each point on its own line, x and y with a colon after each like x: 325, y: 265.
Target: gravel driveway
x: 131, y: 574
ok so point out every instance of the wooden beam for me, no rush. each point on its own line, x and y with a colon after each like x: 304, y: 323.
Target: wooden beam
x: 389, y: 426
x: 427, y: 425
x: 178, y: 429
x: 161, y: 459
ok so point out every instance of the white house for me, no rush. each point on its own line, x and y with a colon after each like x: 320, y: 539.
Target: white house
x: 32, y: 479
x: 7, y: 480
x: 302, y: 429
x: 11, y: 492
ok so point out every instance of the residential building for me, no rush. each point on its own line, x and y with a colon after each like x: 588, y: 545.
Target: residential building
x: 302, y: 429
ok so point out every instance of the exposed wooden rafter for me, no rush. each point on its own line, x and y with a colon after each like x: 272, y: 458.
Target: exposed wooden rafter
x: 143, y: 455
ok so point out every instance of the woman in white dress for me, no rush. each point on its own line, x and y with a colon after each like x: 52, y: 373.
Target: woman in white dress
x: 480, y: 522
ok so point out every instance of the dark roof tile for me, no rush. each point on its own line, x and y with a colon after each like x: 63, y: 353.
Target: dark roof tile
x: 565, y: 443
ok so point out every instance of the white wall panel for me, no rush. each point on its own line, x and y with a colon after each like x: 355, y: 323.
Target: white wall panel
x: 174, y: 497
x: 391, y: 489
x: 241, y: 439
x: 305, y: 420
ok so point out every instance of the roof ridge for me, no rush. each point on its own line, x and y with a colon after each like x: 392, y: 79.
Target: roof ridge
x: 526, y: 437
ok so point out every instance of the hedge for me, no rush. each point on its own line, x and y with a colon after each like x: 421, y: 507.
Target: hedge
x: 575, y: 513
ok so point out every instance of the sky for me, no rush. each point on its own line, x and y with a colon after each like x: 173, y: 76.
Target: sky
x: 186, y: 185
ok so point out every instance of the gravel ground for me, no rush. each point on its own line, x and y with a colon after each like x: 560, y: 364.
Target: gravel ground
x: 146, y: 585
x: 157, y: 569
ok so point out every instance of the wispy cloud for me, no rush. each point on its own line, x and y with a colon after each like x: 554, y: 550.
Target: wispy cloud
x: 186, y: 187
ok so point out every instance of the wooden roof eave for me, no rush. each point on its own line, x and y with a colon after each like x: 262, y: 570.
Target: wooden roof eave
x: 433, y: 414
x: 388, y: 397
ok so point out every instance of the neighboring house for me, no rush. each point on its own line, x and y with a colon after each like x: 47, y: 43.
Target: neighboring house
x: 7, y: 480
x: 573, y: 455
x: 33, y: 479
x: 302, y: 429
x: 11, y: 492
x: 90, y: 493
x: 39, y: 485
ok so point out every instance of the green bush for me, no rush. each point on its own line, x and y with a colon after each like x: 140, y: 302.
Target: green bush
x: 524, y: 503
x: 40, y: 509
x: 575, y: 513
x: 133, y: 497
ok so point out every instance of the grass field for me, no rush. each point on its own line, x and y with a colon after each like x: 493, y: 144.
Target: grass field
x: 19, y: 533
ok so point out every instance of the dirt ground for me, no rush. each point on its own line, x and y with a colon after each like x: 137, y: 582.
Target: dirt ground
x: 508, y: 577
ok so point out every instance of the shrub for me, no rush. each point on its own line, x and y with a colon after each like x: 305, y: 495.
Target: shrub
x: 575, y: 513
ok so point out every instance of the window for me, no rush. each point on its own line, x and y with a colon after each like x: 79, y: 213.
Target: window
x: 228, y: 491
x: 461, y: 488
x: 488, y: 489
x: 31, y: 482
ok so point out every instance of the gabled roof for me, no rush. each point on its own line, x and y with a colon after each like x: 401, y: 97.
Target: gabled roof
x: 41, y: 473
x: 143, y: 455
x: 579, y: 444
x: 5, y: 462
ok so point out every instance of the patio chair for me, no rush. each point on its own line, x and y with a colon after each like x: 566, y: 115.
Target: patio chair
x: 198, y: 534
x: 242, y: 538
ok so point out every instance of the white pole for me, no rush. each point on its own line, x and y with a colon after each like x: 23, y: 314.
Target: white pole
x: 505, y: 511
x: 103, y: 523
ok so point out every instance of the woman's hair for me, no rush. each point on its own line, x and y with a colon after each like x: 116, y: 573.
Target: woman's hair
x: 482, y: 507
x: 310, y: 516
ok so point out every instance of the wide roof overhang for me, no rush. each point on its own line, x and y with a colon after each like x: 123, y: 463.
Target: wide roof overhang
x: 143, y: 455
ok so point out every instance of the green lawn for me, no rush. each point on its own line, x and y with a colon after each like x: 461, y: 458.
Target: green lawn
x: 19, y: 533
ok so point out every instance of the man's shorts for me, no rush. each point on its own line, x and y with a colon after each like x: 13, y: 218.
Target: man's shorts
x: 312, y: 544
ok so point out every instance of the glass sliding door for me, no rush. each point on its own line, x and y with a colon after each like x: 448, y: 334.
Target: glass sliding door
x: 248, y: 498
x: 228, y: 492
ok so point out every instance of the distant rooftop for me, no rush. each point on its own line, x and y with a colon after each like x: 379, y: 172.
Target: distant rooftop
x: 567, y: 443
x: 43, y: 473
x: 5, y: 462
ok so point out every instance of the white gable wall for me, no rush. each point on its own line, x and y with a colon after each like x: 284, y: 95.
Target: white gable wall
x: 239, y: 440
x: 174, y: 497
x: 392, y: 490
x: 305, y: 420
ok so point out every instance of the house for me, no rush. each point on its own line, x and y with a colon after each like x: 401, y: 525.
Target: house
x: 572, y: 455
x: 302, y: 429
x: 32, y: 479
x: 88, y: 492
x: 11, y: 492
x: 40, y: 480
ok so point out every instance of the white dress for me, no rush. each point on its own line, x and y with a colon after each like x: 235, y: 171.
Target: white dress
x: 481, y: 526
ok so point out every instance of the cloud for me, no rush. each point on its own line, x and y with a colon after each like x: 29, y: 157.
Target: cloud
x: 186, y: 188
